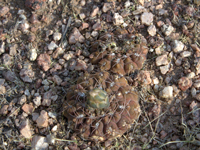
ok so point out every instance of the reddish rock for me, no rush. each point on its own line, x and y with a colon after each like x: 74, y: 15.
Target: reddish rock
x: 84, y: 26
x: 35, y: 4
x: 96, y: 26
x: 42, y: 120
x: 94, y: 12
x: 28, y: 108
x: 184, y: 83
x: 44, y: 61
x: 25, y: 129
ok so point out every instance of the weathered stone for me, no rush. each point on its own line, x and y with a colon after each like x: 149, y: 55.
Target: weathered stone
x: 147, y: 18
x: 42, y: 120
x: 161, y: 60
x: 25, y: 129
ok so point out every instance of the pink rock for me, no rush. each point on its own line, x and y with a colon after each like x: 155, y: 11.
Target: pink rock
x: 42, y: 120
x: 44, y: 61
x: 25, y: 129
x: 147, y: 18
x: 76, y: 36
x: 80, y: 65
x: 28, y: 108
x: 84, y: 26
x: 96, y: 26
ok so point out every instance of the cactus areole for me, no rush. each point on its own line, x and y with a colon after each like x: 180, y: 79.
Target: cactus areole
x: 98, y: 99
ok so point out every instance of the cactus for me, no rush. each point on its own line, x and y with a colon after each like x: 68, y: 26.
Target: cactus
x: 98, y: 98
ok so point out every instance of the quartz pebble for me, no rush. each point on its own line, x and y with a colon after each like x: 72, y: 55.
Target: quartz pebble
x: 39, y: 143
x: 117, y: 19
x: 177, y: 46
x: 2, y: 48
x: 57, y: 36
x: 186, y: 54
x: 32, y: 54
x: 147, y: 18
x: 167, y: 92
x: 151, y: 30
x: 52, y: 46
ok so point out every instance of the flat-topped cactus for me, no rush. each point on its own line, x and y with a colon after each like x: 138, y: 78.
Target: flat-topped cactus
x: 103, y: 107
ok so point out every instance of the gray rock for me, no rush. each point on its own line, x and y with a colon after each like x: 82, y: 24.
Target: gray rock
x: 52, y: 46
x: 164, y: 69
x: 57, y: 36
x: 10, y: 76
x: 75, y: 37
x: 22, y: 100
x: 106, y: 7
x: 57, y: 79
x: 186, y: 54
x: 27, y: 75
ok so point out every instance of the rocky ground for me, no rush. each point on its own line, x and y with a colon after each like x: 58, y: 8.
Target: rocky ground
x: 46, y: 45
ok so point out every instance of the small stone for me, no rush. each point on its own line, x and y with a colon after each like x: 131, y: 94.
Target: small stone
x: 37, y: 100
x: 10, y: 76
x: 2, y: 81
x: 178, y: 61
x: 106, y: 7
x: 2, y: 48
x: 80, y: 65
x: 58, y: 52
x: 96, y: 26
x: 57, y: 36
x: 76, y: 36
x: 184, y: 83
x: 4, y: 11
x: 34, y: 18
x: 13, y: 50
x: 39, y: 143
x: 163, y: 134
x: 4, y: 110
x: 167, y: 29
x: 177, y: 46
x: 25, y: 129
x: 117, y: 19
x: 54, y: 98
x: 94, y: 34
x: 57, y: 79
x: 160, y: 24
x: 47, y: 98
x: 161, y: 60
x: 7, y: 59
x: 22, y: 100
x: 152, y: 30
x: 198, y: 136
x: 197, y: 2
x: 144, y: 77
x: 27, y: 75
x: 82, y: 16
x: 32, y: 54
x: 141, y: 2
x: 155, y: 80
x: 84, y: 26
x: 191, y: 75
x: 195, y: 47
x: 94, y: 12
x: 42, y: 120
x: 186, y: 54
x: 164, y: 69
x: 35, y: 4
x: 146, y: 18
x: 54, y: 129
x: 2, y: 90
x: 35, y: 116
x: 28, y: 108
x: 167, y: 92
x: 190, y: 11
x: 44, y: 61
x: 52, y: 46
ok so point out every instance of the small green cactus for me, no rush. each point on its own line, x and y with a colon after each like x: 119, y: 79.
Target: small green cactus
x: 98, y: 98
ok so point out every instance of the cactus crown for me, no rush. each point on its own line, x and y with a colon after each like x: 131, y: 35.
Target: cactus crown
x: 98, y: 98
